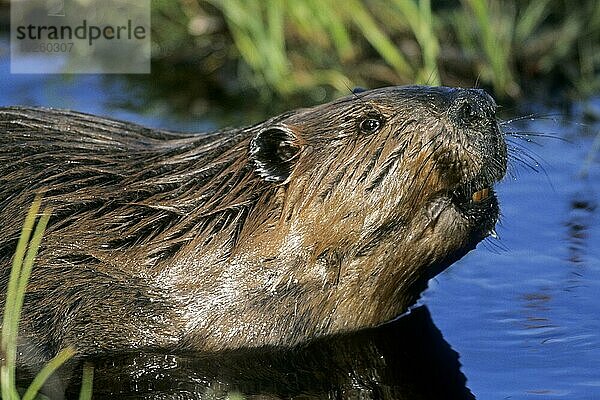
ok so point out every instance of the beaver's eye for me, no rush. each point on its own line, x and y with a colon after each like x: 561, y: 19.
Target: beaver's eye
x: 370, y: 125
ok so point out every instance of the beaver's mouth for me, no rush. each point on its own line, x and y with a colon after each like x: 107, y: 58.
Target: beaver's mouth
x: 476, y: 202
x: 472, y: 194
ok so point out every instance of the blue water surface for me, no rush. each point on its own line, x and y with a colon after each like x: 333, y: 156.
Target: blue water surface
x: 523, y: 311
x: 89, y: 93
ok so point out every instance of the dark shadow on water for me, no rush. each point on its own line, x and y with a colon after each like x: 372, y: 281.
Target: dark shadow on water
x: 581, y: 216
x: 404, y: 359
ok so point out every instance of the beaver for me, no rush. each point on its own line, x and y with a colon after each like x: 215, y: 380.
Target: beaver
x: 318, y: 221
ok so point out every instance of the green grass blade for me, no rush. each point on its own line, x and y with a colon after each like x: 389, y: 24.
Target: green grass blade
x: 10, y: 323
x: 530, y: 19
x: 15, y: 273
x: 420, y: 19
x: 87, y: 381
x: 25, y: 254
x: 377, y: 38
x: 495, y: 42
x: 34, y: 246
x: 46, y: 371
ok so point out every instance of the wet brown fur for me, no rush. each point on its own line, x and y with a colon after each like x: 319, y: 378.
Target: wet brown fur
x: 300, y: 226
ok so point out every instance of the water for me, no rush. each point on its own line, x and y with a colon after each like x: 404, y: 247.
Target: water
x: 526, y: 320
x: 520, y: 314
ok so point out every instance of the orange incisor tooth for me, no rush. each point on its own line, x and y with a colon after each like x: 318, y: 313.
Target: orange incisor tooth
x: 480, y: 195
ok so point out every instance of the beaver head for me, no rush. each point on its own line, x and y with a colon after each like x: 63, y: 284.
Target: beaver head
x: 321, y: 220
x: 369, y: 197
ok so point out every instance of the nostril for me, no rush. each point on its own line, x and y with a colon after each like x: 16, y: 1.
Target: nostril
x: 467, y: 113
x: 470, y: 106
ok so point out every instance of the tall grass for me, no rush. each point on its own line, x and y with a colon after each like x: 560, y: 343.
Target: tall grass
x: 286, y: 47
x: 491, y: 35
x: 26, y: 251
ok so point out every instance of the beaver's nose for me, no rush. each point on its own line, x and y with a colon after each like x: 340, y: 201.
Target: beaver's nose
x: 471, y: 106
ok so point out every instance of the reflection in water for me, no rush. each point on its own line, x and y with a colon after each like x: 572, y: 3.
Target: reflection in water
x: 578, y: 225
x: 538, y: 304
x: 405, y: 359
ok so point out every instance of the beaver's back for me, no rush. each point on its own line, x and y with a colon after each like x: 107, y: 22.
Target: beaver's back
x: 123, y: 198
x: 104, y: 172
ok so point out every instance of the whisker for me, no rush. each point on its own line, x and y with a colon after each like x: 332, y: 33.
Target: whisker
x: 525, y: 156
x: 527, y: 135
x: 476, y: 86
x: 527, y: 160
x: 527, y: 153
x: 495, y: 245
x: 532, y: 117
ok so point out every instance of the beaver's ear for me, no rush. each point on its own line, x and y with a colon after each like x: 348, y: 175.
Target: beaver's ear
x: 274, y: 152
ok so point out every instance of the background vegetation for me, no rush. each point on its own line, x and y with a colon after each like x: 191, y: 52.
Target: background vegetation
x: 316, y: 49
x: 212, y: 56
